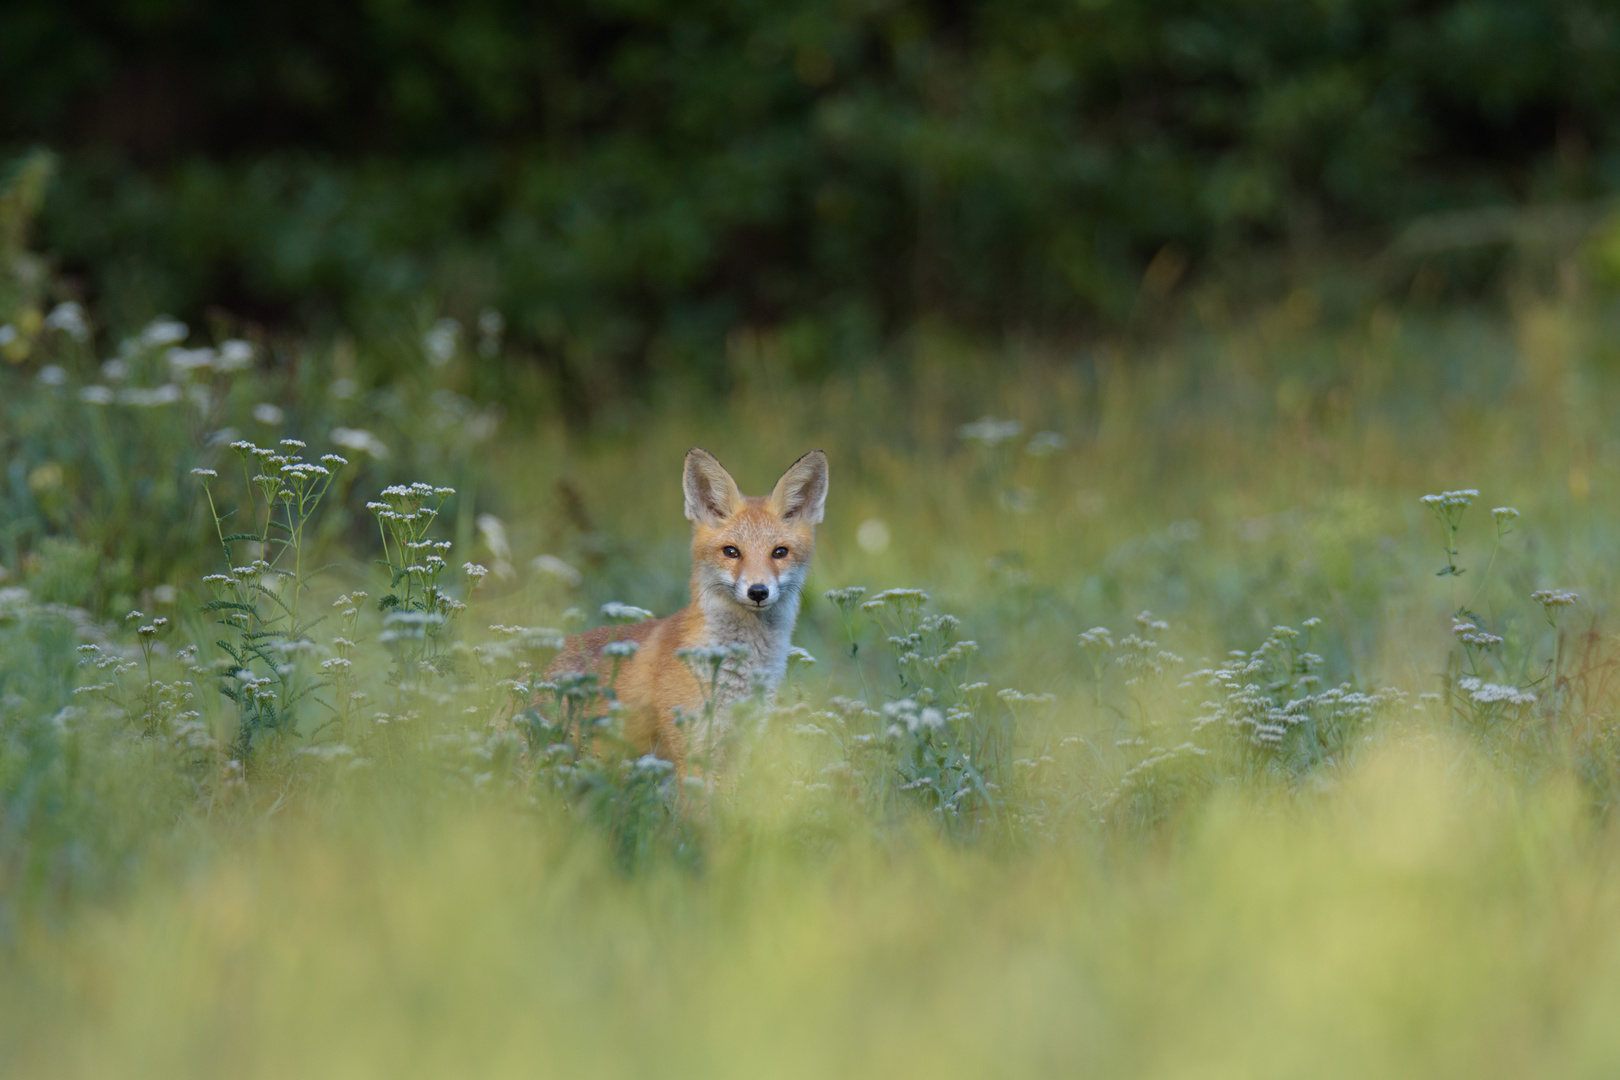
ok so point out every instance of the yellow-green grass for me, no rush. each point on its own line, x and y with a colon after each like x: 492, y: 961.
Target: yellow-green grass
x: 1427, y: 918
x: 1435, y: 902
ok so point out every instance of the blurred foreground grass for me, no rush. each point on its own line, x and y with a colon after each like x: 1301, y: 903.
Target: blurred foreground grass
x: 1429, y: 917
x: 1428, y: 892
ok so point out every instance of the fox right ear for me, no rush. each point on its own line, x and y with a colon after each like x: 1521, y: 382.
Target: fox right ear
x: 711, y: 494
x: 802, y: 491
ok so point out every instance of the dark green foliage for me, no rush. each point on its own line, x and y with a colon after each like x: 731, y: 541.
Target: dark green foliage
x: 627, y: 182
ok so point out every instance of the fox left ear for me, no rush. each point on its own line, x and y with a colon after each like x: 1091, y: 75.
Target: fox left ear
x: 711, y: 493
x: 801, y: 494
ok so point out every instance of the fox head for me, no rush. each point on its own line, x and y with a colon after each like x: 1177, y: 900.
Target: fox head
x: 754, y: 551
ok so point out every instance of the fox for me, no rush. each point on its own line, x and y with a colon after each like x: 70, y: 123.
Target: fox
x: 750, y: 558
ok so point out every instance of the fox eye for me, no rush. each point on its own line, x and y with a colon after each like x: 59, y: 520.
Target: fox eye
x: 730, y: 552
x: 779, y: 553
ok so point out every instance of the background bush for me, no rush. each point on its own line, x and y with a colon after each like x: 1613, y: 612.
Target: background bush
x: 628, y: 182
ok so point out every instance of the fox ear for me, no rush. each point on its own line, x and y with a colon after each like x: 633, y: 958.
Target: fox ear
x: 801, y: 494
x: 711, y: 493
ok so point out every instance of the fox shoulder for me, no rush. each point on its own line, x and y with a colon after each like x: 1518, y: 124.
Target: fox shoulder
x: 583, y: 652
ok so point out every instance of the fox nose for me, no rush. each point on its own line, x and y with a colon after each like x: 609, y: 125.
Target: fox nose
x: 758, y: 593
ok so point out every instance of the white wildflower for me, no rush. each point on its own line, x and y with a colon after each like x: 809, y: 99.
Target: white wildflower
x: 1097, y: 639
x: 359, y: 440
x: 234, y: 355
x: 558, y: 569
x: 440, y: 342
x: 990, y: 431
x: 1045, y: 443
x: 164, y: 331
x: 1488, y: 693
x: 167, y: 394
x: 493, y: 531
x: 1469, y: 634
x: 617, y: 612
x: 68, y: 317
x: 898, y: 598
x: 185, y: 361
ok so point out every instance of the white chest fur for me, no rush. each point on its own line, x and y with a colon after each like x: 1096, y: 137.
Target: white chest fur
x: 764, y: 638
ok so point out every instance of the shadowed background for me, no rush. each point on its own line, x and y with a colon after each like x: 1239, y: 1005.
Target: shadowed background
x: 628, y: 183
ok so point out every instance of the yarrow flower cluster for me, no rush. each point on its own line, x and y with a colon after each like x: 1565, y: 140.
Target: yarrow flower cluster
x: 419, y: 607
x: 1098, y: 638
x: 1448, y: 507
x: 1142, y: 657
x: 847, y: 597
x: 902, y: 605
x: 907, y: 717
x: 613, y: 611
x: 1045, y: 444
x: 1554, y: 601
x: 1452, y: 501
x: 1267, y: 695
x: 989, y: 431
x: 711, y: 655
x: 1489, y: 693
x: 69, y: 318
x: 1471, y: 635
x: 258, y: 601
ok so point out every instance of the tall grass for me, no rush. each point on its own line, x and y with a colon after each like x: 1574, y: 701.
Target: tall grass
x: 1152, y: 722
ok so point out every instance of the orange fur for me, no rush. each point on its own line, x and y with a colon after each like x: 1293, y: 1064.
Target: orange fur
x: 737, y: 543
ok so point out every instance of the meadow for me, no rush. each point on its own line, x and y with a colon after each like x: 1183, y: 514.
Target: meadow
x: 1175, y: 732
